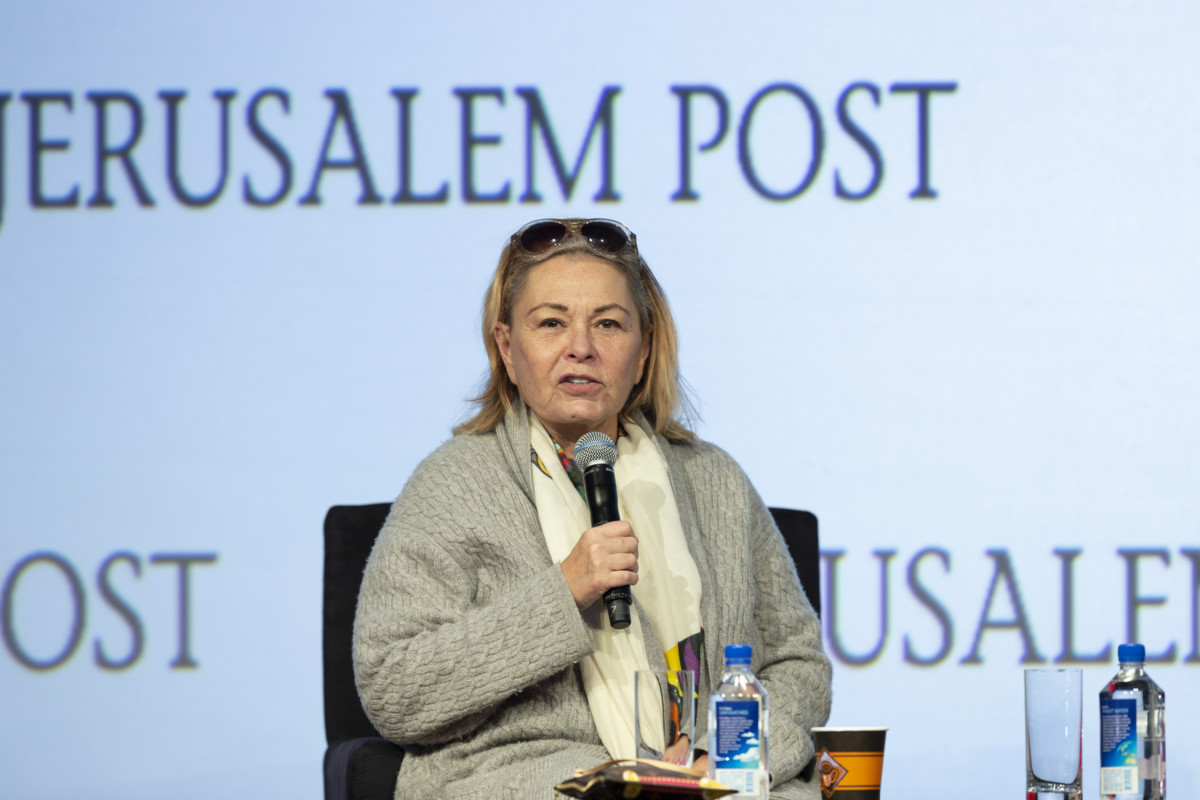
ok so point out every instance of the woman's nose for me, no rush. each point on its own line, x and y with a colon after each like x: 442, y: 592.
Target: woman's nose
x: 581, y: 347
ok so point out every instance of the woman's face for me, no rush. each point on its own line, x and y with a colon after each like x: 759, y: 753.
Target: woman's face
x: 575, y: 348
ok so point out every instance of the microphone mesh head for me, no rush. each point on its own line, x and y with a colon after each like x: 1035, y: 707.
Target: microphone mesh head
x: 595, y: 448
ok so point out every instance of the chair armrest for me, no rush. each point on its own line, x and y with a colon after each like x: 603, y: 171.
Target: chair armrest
x: 362, y: 769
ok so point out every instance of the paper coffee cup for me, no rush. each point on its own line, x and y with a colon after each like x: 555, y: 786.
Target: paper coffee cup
x: 849, y: 762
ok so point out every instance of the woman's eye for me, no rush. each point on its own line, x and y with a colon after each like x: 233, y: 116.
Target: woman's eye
x: 550, y: 323
x: 609, y: 323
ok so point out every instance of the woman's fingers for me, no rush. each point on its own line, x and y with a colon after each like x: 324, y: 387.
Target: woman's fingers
x: 604, y: 557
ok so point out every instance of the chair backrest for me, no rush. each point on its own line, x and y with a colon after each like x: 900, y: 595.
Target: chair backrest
x: 350, y: 533
x: 799, y: 529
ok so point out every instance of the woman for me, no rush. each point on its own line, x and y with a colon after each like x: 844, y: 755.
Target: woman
x: 479, y: 642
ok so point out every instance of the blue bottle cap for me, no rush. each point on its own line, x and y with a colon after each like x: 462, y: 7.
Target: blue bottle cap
x: 737, y: 654
x: 1128, y: 653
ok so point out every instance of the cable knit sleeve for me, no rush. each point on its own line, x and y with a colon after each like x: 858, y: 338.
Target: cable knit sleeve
x: 460, y: 606
x: 794, y: 668
x: 753, y: 596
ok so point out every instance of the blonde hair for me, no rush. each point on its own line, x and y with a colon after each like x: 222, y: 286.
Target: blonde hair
x: 658, y: 395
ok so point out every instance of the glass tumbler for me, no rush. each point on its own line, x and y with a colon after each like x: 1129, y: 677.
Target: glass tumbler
x: 1053, y: 733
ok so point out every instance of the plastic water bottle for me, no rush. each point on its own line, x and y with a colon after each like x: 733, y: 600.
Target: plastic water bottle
x: 1133, y: 755
x: 738, y: 728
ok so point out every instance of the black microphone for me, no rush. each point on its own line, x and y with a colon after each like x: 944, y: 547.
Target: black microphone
x: 595, y: 454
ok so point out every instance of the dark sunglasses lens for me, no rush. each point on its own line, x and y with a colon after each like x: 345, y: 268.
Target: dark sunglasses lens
x: 540, y: 237
x: 605, y: 236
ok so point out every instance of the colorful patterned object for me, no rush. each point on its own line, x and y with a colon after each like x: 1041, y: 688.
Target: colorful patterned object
x: 642, y: 779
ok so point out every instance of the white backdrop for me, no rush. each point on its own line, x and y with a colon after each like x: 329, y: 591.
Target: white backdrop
x: 959, y: 384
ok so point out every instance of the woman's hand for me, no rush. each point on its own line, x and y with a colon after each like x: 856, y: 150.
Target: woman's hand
x: 604, y: 557
x: 674, y: 752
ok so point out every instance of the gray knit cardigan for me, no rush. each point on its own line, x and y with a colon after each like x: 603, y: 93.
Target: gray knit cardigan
x: 466, y: 638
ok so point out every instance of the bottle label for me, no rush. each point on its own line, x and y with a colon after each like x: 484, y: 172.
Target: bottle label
x: 737, y: 745
x: 1119, y: 743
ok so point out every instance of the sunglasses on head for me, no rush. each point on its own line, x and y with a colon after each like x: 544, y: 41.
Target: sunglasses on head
x: 602, y: 235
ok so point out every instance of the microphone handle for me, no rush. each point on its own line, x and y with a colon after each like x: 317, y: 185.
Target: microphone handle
x: 600, y: 485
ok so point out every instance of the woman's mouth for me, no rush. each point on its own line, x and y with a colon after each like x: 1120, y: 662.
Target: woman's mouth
x: 579, y: 384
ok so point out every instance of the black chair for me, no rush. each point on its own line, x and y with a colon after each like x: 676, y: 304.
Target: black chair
x: 359, y: 763
x: 799, y: 529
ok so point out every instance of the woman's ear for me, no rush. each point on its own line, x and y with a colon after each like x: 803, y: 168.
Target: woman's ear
x: 642, y: 355
x: 500, y: 333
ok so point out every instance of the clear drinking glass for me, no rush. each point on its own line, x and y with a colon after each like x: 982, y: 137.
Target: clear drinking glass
x: 665, y: 714
x: 1053, y: 733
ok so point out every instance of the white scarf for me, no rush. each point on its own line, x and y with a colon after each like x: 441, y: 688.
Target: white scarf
x: 668, y: 588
